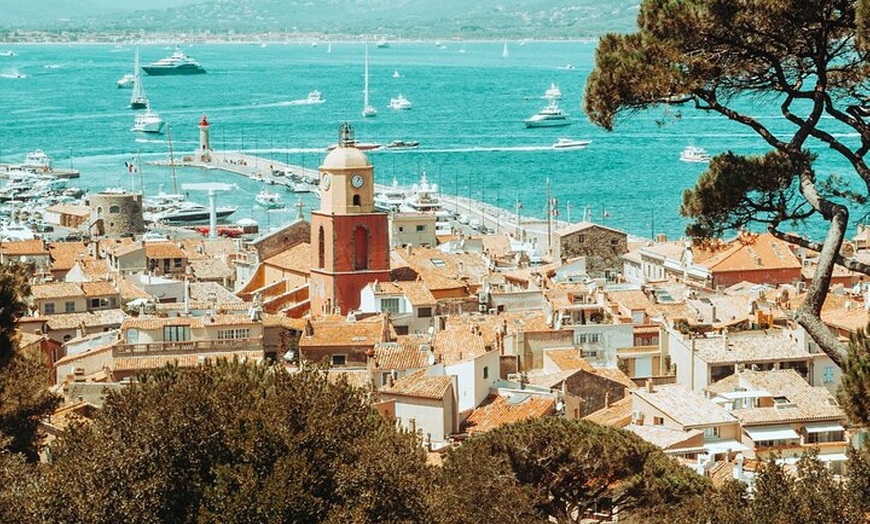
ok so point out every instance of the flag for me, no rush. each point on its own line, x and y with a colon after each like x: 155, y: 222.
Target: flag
x: 131, y: 167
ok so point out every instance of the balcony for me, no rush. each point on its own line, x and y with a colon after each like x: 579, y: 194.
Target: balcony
x: 187, y: 347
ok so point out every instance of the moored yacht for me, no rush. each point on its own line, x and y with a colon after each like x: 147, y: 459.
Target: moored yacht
x: 391, y: 199
x: 269, y: 200
x: 187, y: 211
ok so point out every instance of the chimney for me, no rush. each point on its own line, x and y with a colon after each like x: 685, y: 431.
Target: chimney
x: 309, y: 328
x: 409, y: 249
x: 649, y: 386
x: 607, y: 399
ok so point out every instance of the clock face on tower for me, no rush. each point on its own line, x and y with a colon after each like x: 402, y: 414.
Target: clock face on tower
x: 325, y: 181
x: 357, y: 181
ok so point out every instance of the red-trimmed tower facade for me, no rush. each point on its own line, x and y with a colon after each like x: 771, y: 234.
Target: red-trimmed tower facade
x: 349, y: 239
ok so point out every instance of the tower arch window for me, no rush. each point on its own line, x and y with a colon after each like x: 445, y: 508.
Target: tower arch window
x: 321, y: 248
x: 360, y: 248
x: 114, y: 209
x: 356, y: 200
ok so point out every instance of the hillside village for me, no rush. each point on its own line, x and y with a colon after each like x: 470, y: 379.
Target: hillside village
x: 689, y: 347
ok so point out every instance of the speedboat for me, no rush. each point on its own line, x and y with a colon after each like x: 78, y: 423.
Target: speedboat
x: 695, y: 154
x: 269, y: 200
x: 8, y: 53
x: 382, y: 43
x: 148, y: 122
x: 362, y: 146
x: 177, y: 63
x: 400, y: 103
x: 553, y: 92
x: 402, y: 144
x: 396, y: 74
x: 570, y: 143
x: 550, y: 116
x: 314, y: 97
x: 126, y: 80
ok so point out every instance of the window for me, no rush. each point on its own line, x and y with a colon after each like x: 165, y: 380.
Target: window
x: 485, y: 372
x: 420, y: 228
x: 711, y: 432
x: 390, y: 305
x: 69, y: 306
x: 360, y: 248
x: 356, y: 200
x: 48, y: 309
x: 614, y: 241
x: 226, y: 334
x: 114, y: 209
x: 177, y: 263
x: 437, y: 262
x: 587, y: 338
x: 339, y: 360
x: 424, y: 312
x: 67, y: 338
x: 176, y: 333
x: 95, y: 303
x: 581, y: 239
x: 321, y: 248
x: 401, y: 229
x: 658, y: 421
x: 829, y: 375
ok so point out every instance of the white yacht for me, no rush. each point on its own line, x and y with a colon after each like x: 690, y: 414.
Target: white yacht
x: 177, y: 63
x: 14, y: 232
x: 695, y: 154
x: 400, y: 103
x: 390, y: 199
x: 550, y: 116
x: 425, y: 198
x: 269, y: 200
x: 148, y: 122
x: 37, y: 160
x: 553, y: 92
x: 126, y: 80
x: 187, y: 211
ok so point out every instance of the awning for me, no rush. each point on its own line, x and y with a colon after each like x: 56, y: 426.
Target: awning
x: 823, y: 427
x: 771, y: 433
x: 834, y: 457
x: 724, y: 446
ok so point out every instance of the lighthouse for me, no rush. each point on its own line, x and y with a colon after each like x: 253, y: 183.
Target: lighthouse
x: 204, y: 145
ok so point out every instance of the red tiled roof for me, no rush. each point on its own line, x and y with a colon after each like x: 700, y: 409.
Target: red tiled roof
x: 420, y: 385
x: 496, y: 411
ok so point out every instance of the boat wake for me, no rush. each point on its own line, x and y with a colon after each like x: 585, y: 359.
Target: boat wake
x: 483, y: 149
x: 12, y: 74
x: 286, y: 103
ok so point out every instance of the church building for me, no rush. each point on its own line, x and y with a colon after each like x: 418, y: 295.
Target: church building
x: 349, y: 239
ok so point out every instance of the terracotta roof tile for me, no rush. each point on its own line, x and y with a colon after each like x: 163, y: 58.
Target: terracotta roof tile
x: 92, y: 319
x: 754, y: 252
x: 70, y: 209
x: 65, y: 254
x: 23, y: 247
x: 497, y: 410
x: 567, y: 359
x: 417, y: 293
x: 689, y: 408
x: 159, y: 250
x: 186, y: 361
x: 401, y: 355
x: 457, y: 344
x: 56, y: 290
x: 210, y: 268
x: 617, y: 415
x: 98, y: 288
x: 420, y: 385
x: 339, y: 332
x: 297, y: 258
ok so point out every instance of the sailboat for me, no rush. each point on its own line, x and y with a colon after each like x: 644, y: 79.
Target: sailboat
x: 368, y: 109
x: 137, y: 97
x: 504, y: 51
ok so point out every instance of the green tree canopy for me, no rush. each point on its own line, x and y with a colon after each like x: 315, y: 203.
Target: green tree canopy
x: 561, y: 469
x: 808, y: 59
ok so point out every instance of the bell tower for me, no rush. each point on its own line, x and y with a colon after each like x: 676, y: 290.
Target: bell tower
x: 349, y: 239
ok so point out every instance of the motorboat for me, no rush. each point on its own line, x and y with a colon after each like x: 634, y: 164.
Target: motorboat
x: 570, y: 143
x: 396, y: 74
x: 550, y: 116
x: 368, y: 109
x: 8, y: 53
x: 403, y: 144
x: 695, y: 154
x: 148, y: 122
x: 187, y: 211
x: 382, y: 43
x: 269, y: 200
x: 400, y: 103
x: 15, y: 232
x: 362, y: 146
x: 126, y: 81
x: 178, y: 63
x: 391, y: 199
x: 314, y: 97
x: 137, y: 97
x: 553, y: 92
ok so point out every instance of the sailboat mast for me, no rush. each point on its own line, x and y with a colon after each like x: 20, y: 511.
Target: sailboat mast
x: 549, y: 220
x: 172, y: 159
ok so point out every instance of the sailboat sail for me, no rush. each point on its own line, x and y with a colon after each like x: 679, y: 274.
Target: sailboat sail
x: 368, y: 109
x: 504, y: 51
x: 137, y: 98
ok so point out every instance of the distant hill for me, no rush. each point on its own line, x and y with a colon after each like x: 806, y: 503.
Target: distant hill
x: 393, y: 18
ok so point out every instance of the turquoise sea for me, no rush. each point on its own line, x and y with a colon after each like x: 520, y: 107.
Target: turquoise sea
x: 469, y: 103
